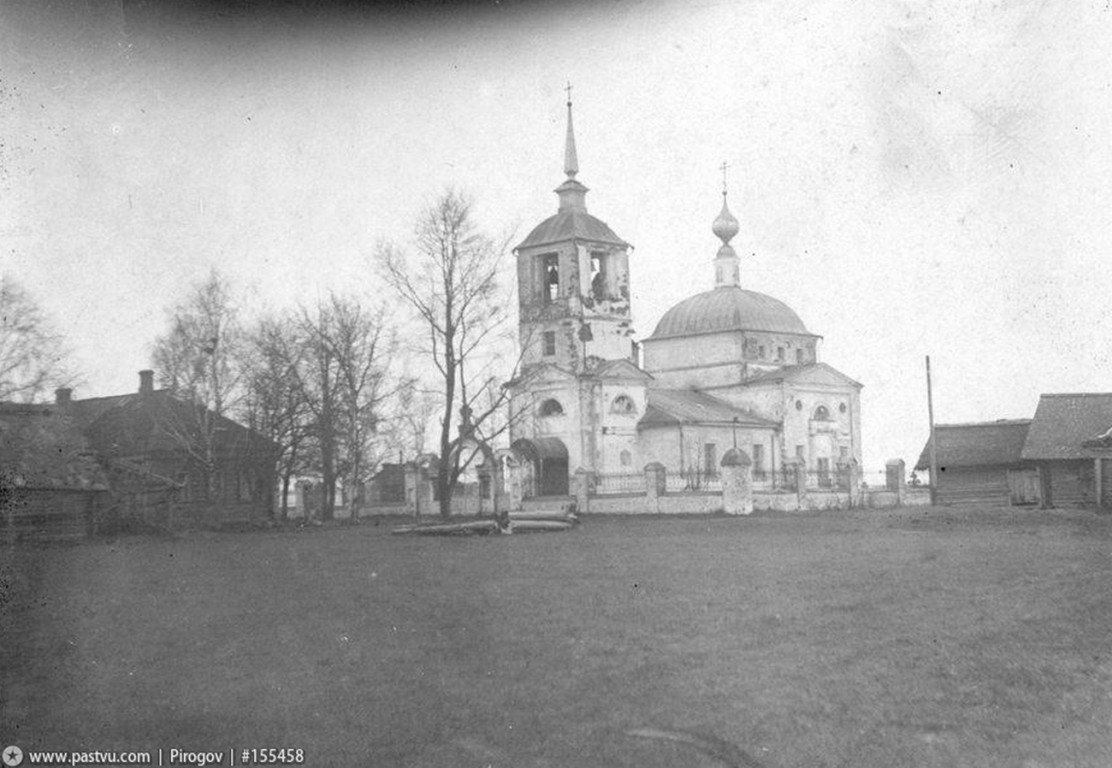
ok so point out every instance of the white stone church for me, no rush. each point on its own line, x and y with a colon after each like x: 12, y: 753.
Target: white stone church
x: 729, y: 367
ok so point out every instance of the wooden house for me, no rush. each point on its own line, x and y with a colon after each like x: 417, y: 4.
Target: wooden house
x: 172, y: 463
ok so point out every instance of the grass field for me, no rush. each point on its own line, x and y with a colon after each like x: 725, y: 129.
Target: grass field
x: 884, y: 638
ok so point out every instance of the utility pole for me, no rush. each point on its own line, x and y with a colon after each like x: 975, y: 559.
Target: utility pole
x: 934, y: 446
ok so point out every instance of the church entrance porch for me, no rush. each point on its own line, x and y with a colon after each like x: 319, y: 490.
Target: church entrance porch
x: 544, y: 465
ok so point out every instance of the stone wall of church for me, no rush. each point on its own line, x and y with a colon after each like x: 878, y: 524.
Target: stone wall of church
x: 836, y: 438
x: 620, y: 406
x: 686, y: 449
x: 695, y: 361
x: 720, y: 359
x: 534, y: 415
x: 767, y: 401
x: 592, y: 290
x: 769, y: 351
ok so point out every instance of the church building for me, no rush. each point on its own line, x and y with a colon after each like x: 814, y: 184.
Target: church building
x: 726, y: 368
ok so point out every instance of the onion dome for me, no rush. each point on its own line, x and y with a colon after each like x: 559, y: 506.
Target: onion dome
x: 725, y: 226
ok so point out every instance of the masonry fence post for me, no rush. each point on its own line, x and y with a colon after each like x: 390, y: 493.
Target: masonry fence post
x: 654, y: 486
x: 853, y: 477
x: 515, y: 470
x: 737, y: 482
x: 896, y: 481
x: 582, y: 489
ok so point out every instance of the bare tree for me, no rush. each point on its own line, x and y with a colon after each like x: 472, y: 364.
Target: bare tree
x: 347, y: 381
x: 200, y: 361
x: 275, y: 403
x: 32, y: 356
x: 452, y: 286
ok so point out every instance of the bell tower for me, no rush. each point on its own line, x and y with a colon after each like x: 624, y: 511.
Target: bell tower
x: 573, y: 282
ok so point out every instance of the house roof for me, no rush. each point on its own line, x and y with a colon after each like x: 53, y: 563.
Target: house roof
x: 138, y: 423
x: 42, y: 448
x: 1103, y: 440
x: 973, y: 445
x: 618, y: 369
x: 669, y: 407
x: 791, y: 373
x: 1063, y: 422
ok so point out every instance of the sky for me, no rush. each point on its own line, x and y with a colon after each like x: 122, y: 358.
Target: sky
x: 912, y: 178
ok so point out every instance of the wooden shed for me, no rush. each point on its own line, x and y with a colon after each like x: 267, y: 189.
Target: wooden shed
x: 982, y: 463
x: 51, y: 487
x: 1062, y: 425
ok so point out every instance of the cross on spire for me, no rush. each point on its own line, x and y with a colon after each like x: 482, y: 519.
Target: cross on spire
x: 568, y: 89
x: 724, y: 167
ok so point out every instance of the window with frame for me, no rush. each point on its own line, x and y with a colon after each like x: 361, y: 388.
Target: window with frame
x: 822, y: 414
x: 550, y: 274
x: 623, y: 404
x: 549, y: 342
x: 824, y: 472
x: 243, y: 487
x: 551, y: 407
x: 626, y: 458
x: 598, y: 275
x: 710, y: 459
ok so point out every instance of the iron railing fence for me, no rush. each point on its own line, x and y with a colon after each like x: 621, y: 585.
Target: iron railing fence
x: 609, y: 483
x: 690, y: 480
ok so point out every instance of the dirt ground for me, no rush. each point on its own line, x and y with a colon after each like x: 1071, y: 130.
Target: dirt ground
x: 916, y: 637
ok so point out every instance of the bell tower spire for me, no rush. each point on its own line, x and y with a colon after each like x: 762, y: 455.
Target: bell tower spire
x: 572, y: 193
x: 726, y: 263
x: 571, y: 160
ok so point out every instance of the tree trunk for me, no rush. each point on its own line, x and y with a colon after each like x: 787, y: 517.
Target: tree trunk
x: 327, y: 444
x: 444, y: 475
x: 285, y: 513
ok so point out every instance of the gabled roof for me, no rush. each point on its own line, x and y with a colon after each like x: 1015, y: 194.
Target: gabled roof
x: 670, y: 407
x: 41, y: 448
x: 1103, y: 440
x: 1063, y: 422
x: 812, y: 373
x: 987, y: 443
x: 541, y: 372
x: 571, y: 225
x: 619, y: 369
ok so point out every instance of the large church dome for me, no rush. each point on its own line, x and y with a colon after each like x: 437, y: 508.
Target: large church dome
x: 729, y: 308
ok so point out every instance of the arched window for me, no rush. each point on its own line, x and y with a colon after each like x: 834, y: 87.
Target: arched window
x: 821, y: 414
x: 626, y: 458
x: 551, y: 407
x: 623, y: 404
